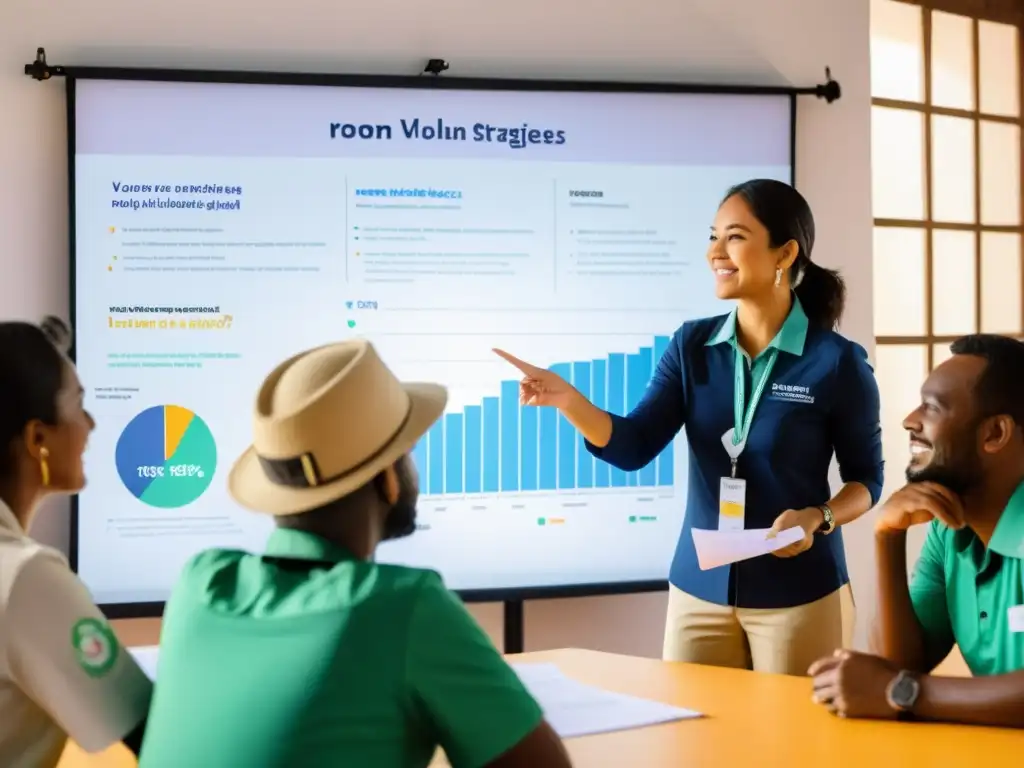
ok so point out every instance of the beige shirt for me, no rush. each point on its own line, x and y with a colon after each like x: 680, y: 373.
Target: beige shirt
x: 62, y: 672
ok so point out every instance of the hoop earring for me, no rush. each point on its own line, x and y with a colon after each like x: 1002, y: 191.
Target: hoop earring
x: 778, y: 277
x: 44, y: 466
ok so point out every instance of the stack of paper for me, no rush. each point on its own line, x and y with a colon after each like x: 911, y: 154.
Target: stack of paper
x: 716, y: 548
x: 576, y: 709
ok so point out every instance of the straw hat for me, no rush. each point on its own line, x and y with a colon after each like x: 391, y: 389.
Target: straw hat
x: 327, y: 422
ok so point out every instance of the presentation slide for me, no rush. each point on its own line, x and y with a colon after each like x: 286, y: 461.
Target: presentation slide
x: 222, y: 228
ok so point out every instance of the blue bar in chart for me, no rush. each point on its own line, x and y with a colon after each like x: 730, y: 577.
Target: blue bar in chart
x: 598, y: 396
x: 617, y: 402
x: 584, y: 461
x: 492, y: 444
x: 500, y: 446
x: 510, y: 435
x: 453, y: 453
x: 474, y: 448
x: 528, y: 449
x: 666, y: 460
x: 566, y: 438
x: 435, y: 457
x: 548, y: 441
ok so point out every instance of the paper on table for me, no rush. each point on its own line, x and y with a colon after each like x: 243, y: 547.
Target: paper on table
x: 715, y: 548
x: 146, y: 657
x: 576, y: 709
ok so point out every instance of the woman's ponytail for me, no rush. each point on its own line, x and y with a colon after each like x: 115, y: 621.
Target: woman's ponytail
x: 822, y: 293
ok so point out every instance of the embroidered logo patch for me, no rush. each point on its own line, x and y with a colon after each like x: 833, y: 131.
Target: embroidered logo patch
x: 95, y: 646
x: 792, y: 393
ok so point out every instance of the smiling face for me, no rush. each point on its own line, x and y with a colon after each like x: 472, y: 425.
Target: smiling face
x: 944, y: 429
x: 740, y: 253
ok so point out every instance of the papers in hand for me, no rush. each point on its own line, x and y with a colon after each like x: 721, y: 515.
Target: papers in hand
x: 576, y: 709
x: 717, y: 548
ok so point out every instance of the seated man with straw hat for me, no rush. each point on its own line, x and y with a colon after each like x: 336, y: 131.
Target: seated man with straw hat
x: 312, y: 654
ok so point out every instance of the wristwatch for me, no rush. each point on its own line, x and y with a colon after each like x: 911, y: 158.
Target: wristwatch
x: 829, y: 524
x: 902, y: 692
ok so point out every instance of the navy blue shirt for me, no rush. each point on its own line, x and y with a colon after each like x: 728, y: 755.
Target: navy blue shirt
x: 822, y: 398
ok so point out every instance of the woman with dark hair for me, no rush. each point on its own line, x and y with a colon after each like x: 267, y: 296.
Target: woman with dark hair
x: 62, y: 671
x: 766, y: 394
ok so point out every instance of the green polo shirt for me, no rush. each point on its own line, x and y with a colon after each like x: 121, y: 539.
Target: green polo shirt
x: 307, y: 656
x: 963, y: 593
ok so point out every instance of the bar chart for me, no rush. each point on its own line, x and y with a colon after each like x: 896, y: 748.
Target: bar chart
x: 499, y: 446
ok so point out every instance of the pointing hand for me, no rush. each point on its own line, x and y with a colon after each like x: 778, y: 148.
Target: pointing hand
x: 539, y: 386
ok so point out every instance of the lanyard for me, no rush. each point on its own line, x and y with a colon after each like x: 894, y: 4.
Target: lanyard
x: 742, y: 420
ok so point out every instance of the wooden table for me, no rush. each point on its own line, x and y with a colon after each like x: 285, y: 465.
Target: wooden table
x: 752, y: 720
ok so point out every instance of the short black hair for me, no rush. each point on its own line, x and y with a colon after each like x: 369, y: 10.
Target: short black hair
x: 998, y: 390
x: 32, y: 365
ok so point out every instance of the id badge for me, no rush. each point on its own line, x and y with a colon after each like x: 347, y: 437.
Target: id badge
x: 732, y: 503
x: 1015, y: 618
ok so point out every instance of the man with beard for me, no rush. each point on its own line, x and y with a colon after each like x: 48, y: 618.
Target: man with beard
x: 966, y: 481
x: 312, y: 654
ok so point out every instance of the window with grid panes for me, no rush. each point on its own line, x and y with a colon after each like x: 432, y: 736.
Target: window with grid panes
x: 947, y: 154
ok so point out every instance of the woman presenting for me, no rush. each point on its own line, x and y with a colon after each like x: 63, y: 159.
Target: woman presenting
x: 766, y: 394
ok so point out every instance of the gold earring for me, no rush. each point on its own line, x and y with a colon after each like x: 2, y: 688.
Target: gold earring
x: 44, y: 466
x: 778, y: 277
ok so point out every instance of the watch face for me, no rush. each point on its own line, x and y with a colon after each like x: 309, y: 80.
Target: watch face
x: 904, y: 691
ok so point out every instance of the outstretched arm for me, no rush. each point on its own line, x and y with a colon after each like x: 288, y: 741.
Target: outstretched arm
x: 633, y: 441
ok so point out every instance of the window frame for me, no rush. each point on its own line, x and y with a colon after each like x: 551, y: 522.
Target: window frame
x: 1002, y: 11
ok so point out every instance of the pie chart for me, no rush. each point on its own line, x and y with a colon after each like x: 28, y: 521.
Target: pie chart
x: 166, y: 456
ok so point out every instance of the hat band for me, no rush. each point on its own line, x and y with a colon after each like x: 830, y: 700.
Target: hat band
x: 303, y: 471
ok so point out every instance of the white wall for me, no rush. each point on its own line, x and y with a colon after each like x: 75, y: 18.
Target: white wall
x: 726, y: 41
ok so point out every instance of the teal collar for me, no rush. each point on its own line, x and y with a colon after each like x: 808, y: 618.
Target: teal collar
x: 1008, y: 537
x: 790, y: 338
x: 299, y: 545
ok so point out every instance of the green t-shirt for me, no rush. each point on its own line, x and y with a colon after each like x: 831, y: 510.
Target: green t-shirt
x: 966, y: 594
x: 307, y: 656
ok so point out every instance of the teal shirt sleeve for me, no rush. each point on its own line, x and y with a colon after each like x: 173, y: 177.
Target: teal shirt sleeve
x: 928, y: 595
x: 466, y: 691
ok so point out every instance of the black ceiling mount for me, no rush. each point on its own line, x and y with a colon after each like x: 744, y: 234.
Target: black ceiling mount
x: 40, y: 70
x: 829, y: 90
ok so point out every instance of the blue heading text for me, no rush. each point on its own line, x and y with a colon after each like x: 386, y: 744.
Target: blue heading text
x: 517, y: 137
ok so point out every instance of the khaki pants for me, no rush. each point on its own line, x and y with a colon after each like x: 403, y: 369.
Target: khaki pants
x: 779, y: 640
